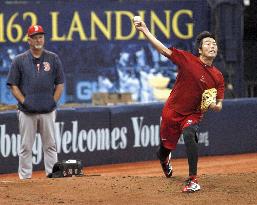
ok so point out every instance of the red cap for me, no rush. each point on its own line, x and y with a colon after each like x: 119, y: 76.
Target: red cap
x: 35, y: 29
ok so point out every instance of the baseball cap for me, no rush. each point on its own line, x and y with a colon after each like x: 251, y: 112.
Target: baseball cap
x: 35, y: 29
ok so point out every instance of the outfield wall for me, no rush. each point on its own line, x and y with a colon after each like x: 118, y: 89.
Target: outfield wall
x: 130, y: 133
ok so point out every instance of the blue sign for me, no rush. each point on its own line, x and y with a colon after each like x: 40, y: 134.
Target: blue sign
x: 130, y: 133
x: 99, y: 46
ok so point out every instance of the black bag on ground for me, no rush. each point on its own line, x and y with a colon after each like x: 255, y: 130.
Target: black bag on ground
x: 67, y: 168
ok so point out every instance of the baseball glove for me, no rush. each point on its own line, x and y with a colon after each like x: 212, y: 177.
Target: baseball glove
x: 208, y: 97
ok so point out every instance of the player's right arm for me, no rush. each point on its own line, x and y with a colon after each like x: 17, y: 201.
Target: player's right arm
x: 141, y: 26
x: 17, y: 93
x: 13, y: 80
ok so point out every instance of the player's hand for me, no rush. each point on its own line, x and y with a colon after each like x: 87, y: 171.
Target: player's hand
x: 215, y: 107
x: 208, y: 99
x: 22, y: 101
x: 140, y: 25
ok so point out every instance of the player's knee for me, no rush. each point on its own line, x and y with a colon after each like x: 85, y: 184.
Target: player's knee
x: 49, y: 148
x: 189, y: 135
x: 25, y: 149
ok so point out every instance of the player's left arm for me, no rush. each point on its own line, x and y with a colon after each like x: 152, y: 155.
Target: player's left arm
x: 217, y: 107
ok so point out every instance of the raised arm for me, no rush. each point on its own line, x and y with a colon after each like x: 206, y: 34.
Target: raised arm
x: 141, y: 26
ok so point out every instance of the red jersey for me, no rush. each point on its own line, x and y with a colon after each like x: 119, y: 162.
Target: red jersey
x: 193, y: 78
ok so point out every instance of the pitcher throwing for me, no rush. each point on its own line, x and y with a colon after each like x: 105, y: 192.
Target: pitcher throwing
x: 188, y: 99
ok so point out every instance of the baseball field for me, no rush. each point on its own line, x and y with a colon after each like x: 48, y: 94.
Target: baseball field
x: 225, y: 180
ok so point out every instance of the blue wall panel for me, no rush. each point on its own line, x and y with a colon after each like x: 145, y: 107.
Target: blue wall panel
x: 129, y: 133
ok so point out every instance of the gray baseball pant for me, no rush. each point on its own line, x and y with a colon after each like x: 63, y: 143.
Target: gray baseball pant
x: 29, y: 124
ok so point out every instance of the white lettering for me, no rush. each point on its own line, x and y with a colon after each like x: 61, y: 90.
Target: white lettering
x: 203, y: 138
x: 74, y: 136
x: 137, y: 128
x: 91, y: 140
x: 5, y: 142
x: 123, y: 136
x: 145, y: 135
x: 66, y: 140
x: 145, y: 138
x: 59, y: 127
x: 81, y: 138
x: 103, y: 139
x: 115, y: 137
x: 16, y: 144
x: 37, y: 150
x: 9, y: 144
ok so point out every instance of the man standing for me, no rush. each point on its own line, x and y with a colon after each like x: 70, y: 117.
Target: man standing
x: 36, y: 80
x: 183, y: 111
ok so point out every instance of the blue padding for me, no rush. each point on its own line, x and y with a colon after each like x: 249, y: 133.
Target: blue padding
x: 129, y: 133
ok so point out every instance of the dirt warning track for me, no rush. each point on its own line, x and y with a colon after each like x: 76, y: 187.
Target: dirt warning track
x: 224, y: 180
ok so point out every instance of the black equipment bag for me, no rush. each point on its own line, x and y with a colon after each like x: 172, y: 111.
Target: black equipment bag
x: 67, y: 168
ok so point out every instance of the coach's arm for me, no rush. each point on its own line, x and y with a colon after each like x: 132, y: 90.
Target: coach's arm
x: 17, y: 93
x: 58, y: 91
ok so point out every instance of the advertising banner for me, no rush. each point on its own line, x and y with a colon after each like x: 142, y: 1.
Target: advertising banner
x: 100, y: 48
x: 130, y: 133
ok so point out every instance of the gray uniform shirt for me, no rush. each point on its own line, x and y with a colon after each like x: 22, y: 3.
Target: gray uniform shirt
x: 36, y: 78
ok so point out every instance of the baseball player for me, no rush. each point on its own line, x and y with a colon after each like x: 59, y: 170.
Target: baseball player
x: 36, y: 80
x: 199, y: 86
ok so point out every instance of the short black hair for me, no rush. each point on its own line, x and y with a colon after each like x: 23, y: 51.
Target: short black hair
x: 199, y: 40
